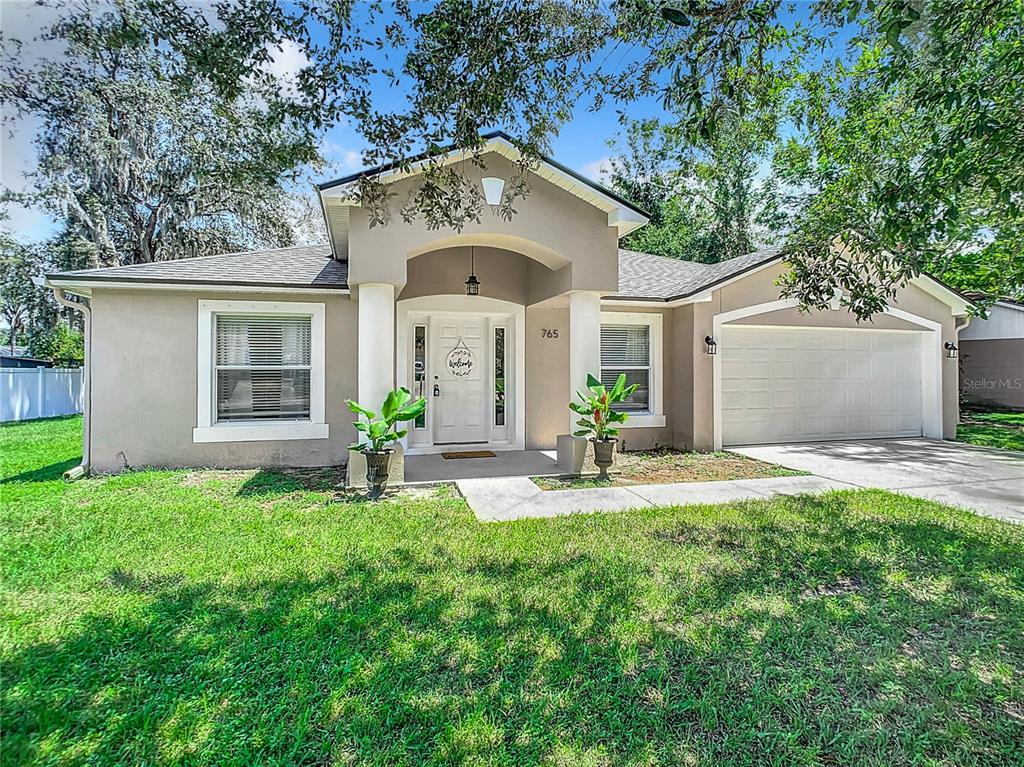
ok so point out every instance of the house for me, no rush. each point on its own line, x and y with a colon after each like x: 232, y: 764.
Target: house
x: 18, y: 357
x: 245, y: 359
x: 992, y: 357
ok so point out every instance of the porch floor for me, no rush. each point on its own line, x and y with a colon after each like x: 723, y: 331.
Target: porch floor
x: 511, y: 463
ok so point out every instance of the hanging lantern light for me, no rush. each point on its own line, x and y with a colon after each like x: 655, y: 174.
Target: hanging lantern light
x: 472, y: 283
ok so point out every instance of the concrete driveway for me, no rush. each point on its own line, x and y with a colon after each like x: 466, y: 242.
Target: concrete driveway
x: 984, y: 480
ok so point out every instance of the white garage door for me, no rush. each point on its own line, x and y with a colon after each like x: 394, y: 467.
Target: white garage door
x: 800, y: 385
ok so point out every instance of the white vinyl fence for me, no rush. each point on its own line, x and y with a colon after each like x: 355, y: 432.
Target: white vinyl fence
x: 39, y: 392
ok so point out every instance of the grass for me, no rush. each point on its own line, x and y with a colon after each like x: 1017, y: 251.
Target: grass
x: 666, y: 465
x: 992, y: 428
x: 215, y: 618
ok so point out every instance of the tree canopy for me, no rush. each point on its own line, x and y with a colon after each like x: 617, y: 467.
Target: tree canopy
x: 706, y: 200
x: 145, y: 160
x: 901, y: 122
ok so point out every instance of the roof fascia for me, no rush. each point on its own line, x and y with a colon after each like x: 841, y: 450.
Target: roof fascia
x: 937, y: 289
x: 84, y: 287
x: 623, y: 215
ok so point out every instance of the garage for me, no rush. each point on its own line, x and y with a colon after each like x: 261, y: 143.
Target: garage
x: 791, y: 384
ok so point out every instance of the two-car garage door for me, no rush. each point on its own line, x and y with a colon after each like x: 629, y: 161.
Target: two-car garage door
x: 807, y: 384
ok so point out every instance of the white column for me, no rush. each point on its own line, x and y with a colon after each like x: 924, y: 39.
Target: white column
x: 584, y: 342
x: 376, y: 368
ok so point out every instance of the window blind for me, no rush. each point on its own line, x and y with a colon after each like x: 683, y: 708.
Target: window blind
x: 262, y: 367
x: 626, y: 349
x: 254, y: 341
x: 625, y: 345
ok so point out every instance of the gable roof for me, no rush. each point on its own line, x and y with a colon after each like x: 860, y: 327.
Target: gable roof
x: 622, y: 213
x: 305, y: 267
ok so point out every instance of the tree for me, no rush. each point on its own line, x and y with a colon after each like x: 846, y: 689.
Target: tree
x: 145, y: 160
x: 62, y: 344
x: 705, y: 201
x: 17, y: 267
x: 914, y: 155
x: 904, y: 117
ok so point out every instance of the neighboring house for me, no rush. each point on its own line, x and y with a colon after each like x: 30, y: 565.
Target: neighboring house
x: 992, y: 356
x: 245, y: 359
x: 19, y: 358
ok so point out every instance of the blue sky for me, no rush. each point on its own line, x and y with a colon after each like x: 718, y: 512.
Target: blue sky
x: 582, y: 144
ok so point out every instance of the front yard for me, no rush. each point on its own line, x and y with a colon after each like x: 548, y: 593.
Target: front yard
x: 992, y: 428
x: 243, y: 618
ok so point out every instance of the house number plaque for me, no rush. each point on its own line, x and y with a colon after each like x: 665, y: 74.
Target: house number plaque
x: 460, y: 360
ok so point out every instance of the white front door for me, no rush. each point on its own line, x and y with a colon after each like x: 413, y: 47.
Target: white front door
x: 459, y: 379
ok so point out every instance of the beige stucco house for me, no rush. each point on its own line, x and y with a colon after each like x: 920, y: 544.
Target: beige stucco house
x: 245, y: 359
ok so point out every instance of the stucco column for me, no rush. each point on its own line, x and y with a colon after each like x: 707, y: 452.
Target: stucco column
x: 584, y: 342
x: 376, y: 368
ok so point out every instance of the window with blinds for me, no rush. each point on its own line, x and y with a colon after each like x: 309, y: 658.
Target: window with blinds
x: 627, y: 349
x: 262, y: 367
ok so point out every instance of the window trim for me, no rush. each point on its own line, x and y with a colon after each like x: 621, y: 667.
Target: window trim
x: 654, y: 416
x: 207, y: 429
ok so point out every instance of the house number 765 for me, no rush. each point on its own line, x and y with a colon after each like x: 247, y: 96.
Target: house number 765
x: 548, y: 333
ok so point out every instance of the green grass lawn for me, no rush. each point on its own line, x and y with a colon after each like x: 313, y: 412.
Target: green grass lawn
x: 207, y: 618
x: 994, y: 428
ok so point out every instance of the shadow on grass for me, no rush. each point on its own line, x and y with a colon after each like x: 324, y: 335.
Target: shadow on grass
x: 280, y: 481
x: 719, y: 647
x: 44, y: 473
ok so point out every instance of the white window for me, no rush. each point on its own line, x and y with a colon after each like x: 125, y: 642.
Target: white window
x: 631, y: 345
x: 261, y: 371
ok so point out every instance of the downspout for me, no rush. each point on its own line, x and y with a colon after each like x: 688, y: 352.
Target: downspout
x: 86, y: 312
x: 959, y: 324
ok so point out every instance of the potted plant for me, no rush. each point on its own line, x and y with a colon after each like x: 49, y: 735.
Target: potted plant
x: 600, y: 422
x: 382, y: 432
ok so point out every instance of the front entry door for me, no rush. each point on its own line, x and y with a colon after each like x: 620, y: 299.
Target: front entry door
x: 459, y: 379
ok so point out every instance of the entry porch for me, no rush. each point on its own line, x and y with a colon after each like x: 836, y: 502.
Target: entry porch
x: 505, y: 463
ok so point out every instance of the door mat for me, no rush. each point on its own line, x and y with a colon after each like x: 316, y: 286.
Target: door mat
x: 469, y: 454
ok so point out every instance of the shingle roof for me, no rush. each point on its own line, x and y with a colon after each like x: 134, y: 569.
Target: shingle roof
x: 658, y: 278
x: 306, y: 266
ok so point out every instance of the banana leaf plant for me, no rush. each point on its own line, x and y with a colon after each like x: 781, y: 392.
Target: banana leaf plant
x: 383, y: 431
x: 600, y: 422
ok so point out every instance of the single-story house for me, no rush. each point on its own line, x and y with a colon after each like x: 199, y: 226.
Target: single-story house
x: 245, y: 359
x: 992, y: 357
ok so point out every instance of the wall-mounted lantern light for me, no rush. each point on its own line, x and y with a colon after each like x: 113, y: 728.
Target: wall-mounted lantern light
x: 472, y: 283
x: 710, y: 346
x: 951, y: 350
x: 493, y: 187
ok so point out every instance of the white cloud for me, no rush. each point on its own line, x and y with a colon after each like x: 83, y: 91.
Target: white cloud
x: 288, y: 60
x: 598, y: 170
x: 341, y: 158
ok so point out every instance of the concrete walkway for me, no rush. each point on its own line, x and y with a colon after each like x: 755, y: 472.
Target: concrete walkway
x: 505, y: 499
x: 984, y: 480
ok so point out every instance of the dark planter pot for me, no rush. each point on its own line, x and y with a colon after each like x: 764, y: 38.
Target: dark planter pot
x: 377, y: 467
x: 604, y: 456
